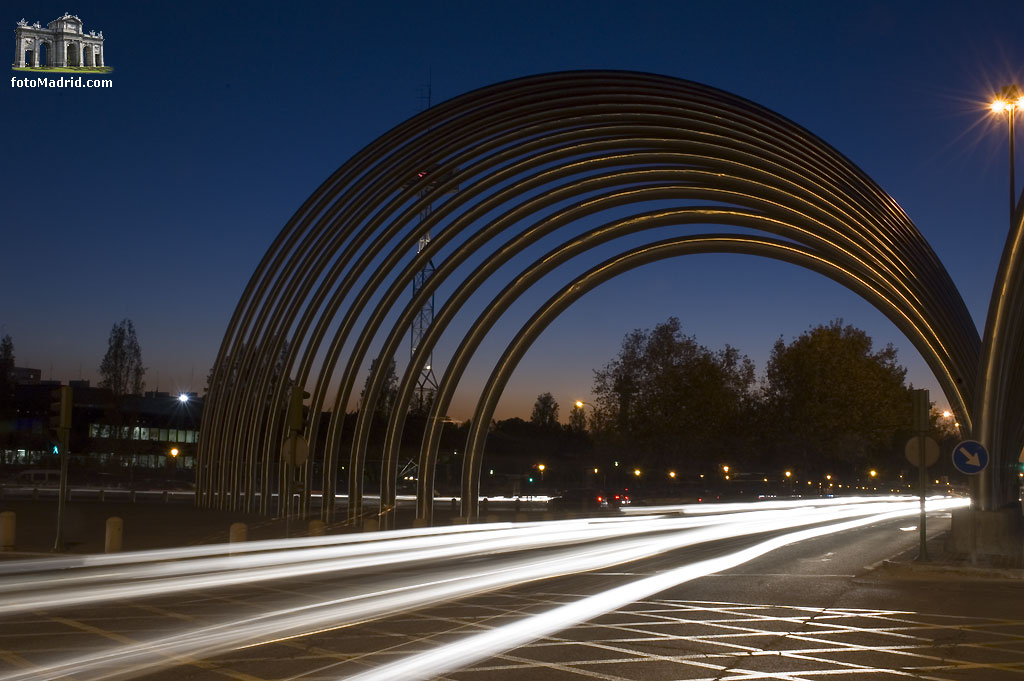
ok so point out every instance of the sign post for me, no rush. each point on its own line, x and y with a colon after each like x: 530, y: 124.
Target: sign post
x: 295, y: 451
x: 60, y: 425
x: 921, y: 408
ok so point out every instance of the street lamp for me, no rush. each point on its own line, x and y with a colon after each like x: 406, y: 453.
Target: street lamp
x: 1009, y: 100
x: 174, y: 452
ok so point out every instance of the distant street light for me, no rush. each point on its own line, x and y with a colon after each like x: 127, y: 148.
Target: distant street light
x: 174, y: 452
x: 873, y: 473
x: 789, y: 474
x: 671, y: 474
x: 636, y: 472
x: 183, y: 398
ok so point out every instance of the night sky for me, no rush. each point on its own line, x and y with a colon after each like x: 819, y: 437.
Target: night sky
x: 155, y: 200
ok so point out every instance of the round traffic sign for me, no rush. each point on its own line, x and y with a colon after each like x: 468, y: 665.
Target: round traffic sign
x: 913, y: 451
x: 295, y: 443
x: 970, y: 457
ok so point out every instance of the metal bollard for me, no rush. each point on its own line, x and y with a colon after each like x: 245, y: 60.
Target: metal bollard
x: 238, y: 532
x: 7, y: 527
x: 102, y: 496
x: 166, y: 496
x: 316, y: 528
x: 115, y: 534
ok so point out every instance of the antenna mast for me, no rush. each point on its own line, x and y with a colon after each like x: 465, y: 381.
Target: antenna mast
x: 426, y: 383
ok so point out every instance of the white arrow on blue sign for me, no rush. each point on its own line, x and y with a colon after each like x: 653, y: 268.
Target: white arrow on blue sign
x: 970, y: 457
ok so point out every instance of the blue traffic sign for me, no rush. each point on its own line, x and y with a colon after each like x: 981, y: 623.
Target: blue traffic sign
x: 970, y: 457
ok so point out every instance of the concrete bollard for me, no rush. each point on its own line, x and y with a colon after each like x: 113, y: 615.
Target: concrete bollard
x: 483, y: 506
x: 371, y: 525
x: 238, y: 532
x: 7, y: 527
x: 316, y: 528
x: 115, y: 535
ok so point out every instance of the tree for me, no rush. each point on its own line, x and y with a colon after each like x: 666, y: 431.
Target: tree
x: 665, y: 397
x: 121, y: 370
x: 388, y: 393
x: 545, y: 411
x: 577, y: 419
x: 831, y: 402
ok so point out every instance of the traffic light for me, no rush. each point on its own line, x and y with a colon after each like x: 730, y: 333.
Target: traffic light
x: 60, y: 409
x: 296, y: 413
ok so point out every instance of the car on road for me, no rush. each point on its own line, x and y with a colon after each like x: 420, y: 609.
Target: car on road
x: 586, y: 499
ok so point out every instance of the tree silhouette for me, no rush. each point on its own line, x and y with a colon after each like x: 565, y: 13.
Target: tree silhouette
x: 545, y: 411
x: 121, y: 370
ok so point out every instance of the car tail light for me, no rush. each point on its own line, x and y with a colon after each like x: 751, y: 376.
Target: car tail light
x: 600, y: 499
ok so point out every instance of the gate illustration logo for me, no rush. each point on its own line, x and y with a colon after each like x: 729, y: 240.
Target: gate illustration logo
x: 62, y: 45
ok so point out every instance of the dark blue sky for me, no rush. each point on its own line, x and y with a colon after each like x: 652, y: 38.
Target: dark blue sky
x: 155, y: 200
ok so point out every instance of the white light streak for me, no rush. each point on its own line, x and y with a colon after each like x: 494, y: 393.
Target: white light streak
x: 478, y: 647
x: 570, y: 547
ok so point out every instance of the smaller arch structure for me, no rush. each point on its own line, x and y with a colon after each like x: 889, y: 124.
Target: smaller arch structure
x: 583, y: 168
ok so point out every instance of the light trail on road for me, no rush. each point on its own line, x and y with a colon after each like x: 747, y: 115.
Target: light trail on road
x: 515, y: 554
x: 477, y: 647
x: 47, y: 585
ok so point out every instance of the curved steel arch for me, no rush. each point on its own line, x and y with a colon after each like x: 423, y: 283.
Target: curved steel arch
x: 518, y: 152
x: 613, y: 267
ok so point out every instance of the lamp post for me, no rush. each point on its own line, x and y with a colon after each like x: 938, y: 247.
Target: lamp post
x: 1009, y: 100
x: 987, y: 489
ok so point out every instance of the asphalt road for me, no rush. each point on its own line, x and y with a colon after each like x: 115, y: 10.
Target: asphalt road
x: 811, y: 610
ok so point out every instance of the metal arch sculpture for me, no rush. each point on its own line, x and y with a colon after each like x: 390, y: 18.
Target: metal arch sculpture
x: 532, y: 158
